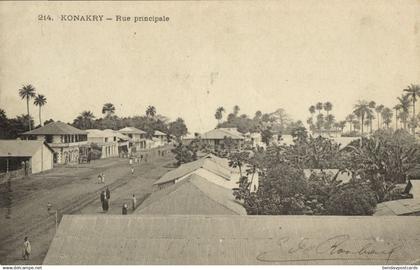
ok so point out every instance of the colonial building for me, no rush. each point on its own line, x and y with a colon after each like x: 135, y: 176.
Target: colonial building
x: 104, y: 140
x: 65, y: 140
x: 137, y: 136
x: 28, y: 156
x: 223, y: 138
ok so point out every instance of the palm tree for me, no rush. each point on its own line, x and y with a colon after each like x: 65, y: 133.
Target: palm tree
x: 361, y: 109
x: 327, y: 107
x: 414, y: 92
x: 108, y: 109
x: 386, y: 116
x: 350, y: 118
x: 369, y: 117
x: 150, y: 111
x: 319, y: 107
x: 84, y: 120
x: 312, y: 109
x: 397, y: 108
x: 27, y: 92
x: 219, y: 114
x: 378, y: 111
x: 40, y: 100
x: 236, y: 110
x: 329, y: 121
x: 404, y: 107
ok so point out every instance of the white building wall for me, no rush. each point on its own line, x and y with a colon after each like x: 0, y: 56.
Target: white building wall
x: 42, y: 160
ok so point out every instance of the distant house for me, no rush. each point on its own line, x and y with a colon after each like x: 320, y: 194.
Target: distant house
x: 210, y: 167
x: 106, y: 140
x: 163, y: 137
x: 65, y: 140
x: 37, y: 156
x: 137, y: 136
x: 194, y: 195
x: 234, y: 239
x: 216, y: 138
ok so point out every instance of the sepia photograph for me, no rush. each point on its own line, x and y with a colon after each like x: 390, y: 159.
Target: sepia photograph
x: 222, y: 133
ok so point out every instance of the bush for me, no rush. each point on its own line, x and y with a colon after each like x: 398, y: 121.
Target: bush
x: 354, y: 200
x: 95, y: 154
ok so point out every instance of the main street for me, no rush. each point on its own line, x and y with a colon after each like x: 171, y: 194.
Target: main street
x: 70, y: 190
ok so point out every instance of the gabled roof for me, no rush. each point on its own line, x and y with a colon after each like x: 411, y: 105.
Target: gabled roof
x: 20, y: 148
x: 56, y: 128
x: 194, y: 195
x: 131, y: 130
x: 159, y: 133
x: 209, y: 162
x: 97, y: 133
x: 398, y: 207
x: 234, y: 239
x: 220, y: 134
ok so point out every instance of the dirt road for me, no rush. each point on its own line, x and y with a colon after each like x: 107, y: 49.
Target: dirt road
x: 70, y: 190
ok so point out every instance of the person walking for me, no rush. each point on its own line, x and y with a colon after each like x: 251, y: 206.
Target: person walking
x: 103, y: 198
x: 26, y: 252
x: 132, y: 170
x: 103, y: 178
x: 99, y: 178
x: 134, y: 202
x: 130, y: 162
x: 124, y: 209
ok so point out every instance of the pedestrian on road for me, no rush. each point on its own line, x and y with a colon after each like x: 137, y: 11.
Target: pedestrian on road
x: 134, y: 202
x: 130, y: 161
x: 99, y: 178
x: 132, y: 170
x: 124, y: 209
x: 103, y: 198
x: 108, y: 193
x: 26, y: 252
x: 106, y: 205
x: 103, y: 178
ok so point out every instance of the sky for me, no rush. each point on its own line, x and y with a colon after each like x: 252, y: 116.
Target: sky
x: 260, y: 56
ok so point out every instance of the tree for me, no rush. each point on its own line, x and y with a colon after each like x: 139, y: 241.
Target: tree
x: 185, y: 153
x: 312, y: 109
x: 319, y: 106
x: 178, y: 128
x: 266, y: 135
x: 327, y: 107
x: 378, y: 111
x: 386, y: 116
x: 150, y: 111
x: 352, y: 199
x: 219, y: 114
x: 361, y: 109
x: 40, y: 100
x: 27, y: 92
x: 329, y: 121
x: 404, y: 108
x: 349, y: 119
x: 413, y: 91
x: 236, y: 110
x: 84, y: 120
x: 108, y: 109
x: 397, y: 109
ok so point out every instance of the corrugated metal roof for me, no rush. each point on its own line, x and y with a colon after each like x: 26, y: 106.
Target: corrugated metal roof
x: 220, y: 134
x: 56, y: 128
x: 137, y: 239
x: 159, y: 133
x: 20, y: 148
x: 131, y: 130
x: 194, y: 195
x: 209, y: 162
x: 398, y: 207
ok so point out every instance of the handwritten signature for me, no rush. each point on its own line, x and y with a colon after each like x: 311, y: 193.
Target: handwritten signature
x: 339, y: 247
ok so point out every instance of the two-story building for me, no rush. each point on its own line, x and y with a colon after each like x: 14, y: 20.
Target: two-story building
x: 104, y: 140
x: 137, y: 136
x: 66, y: 141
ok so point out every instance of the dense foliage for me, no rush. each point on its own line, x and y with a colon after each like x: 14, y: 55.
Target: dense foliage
x: 375, y: 165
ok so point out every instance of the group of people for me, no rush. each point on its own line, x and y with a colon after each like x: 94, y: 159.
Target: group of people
x: 105, y: 196
x: 133, y: 205
x: 101, y: 178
